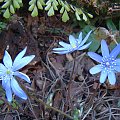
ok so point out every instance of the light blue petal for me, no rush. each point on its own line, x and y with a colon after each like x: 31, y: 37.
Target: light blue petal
x: 95, y: 69
x: 115, y: 51
x: 117, y: 68
x: 65, y: 45
x: 112, y: 78
x: 85, y: 46
x: 62, y: 52
x: 118, y: 61
x: 7, y: 87
x: 19, y: 56
x: 7, y: 60
x: 95, y: 56
x: 73, y: 41
x: 103, y: 76
x: 3, y: 69
x: 79, y: 38
x: 23, y: 62
x: 104, y: 49
x: 60, y: 49
x: 22, y: 76
x: 86, y: 38
x: 17, y: 90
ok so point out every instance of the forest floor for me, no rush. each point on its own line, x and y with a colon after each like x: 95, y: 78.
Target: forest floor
x: 60, y: 81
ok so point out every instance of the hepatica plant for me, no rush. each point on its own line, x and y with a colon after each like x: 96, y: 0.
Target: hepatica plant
x: 109, y: 64
x: 9, y: 69
x: 75, y: 44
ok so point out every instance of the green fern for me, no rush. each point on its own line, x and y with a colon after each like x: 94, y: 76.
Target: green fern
x: 10, y: 7
x: 65, y: 8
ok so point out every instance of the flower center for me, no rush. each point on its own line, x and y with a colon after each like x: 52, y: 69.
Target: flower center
x: 108, y: 63
x: 8, y: 72
x: 74, y: 46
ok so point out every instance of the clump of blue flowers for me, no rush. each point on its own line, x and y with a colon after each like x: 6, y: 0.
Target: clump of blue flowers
x: 8, y: 71
x: 109, y: 64
x: 75, y: 44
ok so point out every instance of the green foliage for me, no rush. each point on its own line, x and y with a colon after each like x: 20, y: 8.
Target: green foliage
x: 2, y: 26
x: 1, y: 102
x: 15, y: 105
x: 111, y: 26
x: 115, y: 33
x: 64, y: 8
x: 10, y: 7
x: 51, y: 6
x: 49, y: 99
x: 111, y: 34
x: 95, y: 42
x: 34, y: 6
x: 76, y: 114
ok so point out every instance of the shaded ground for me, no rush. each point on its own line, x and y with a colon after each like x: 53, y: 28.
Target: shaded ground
x: 75, y: 93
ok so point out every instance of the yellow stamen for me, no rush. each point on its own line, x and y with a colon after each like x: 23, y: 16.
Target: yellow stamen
x: 74, y: 46
x: 8, y: 72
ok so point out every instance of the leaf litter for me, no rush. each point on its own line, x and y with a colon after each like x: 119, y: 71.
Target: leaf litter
x: 51, y: 74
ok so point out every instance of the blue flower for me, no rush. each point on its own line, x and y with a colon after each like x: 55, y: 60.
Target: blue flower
x: 8, y: 71
x: 75, y: 44
x: 109, y: 64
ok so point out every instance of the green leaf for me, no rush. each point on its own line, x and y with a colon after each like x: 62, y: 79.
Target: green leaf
x: 12, y: 10
x: 34, y: 12
x: 2, y: 26
x: 16, y: 4
x: 1, y: 0
x: 19, y: 1
x: 111, y: 25
x: 42, y: 2
x: 39, y: 5
x: 65, y: 16
x: 51, y: 11
x: 77, y: 16
x: 31, y: 7
x: 6, y: 13
x: 62, y: 10
x: 1, y: 102
x: 90, y: 15
x: 48, y: 6
x: 62, y: 3
x: 76, y: 114
x: 67, y: 8
x: 84, y: 17
x: 32, y: 2
x: 56, y: 3
x: 113, y: 45
x: 54, y: 6
x: 80, y: 11
x: 14, y: 105
x: 95, y: 43
x: 6, y: 4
